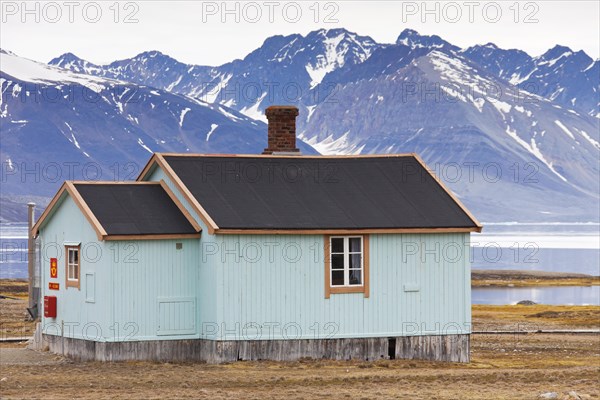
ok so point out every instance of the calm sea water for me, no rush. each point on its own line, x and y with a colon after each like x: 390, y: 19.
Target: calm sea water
x: 13, y: 250
x: 543, y: 247
x: 567, y: 295
x: 556, y: 253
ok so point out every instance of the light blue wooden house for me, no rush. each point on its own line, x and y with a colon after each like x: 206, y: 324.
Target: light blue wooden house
x: 244, y: 257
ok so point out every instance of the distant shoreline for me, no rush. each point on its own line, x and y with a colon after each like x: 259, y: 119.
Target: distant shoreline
x: 480, y: 278
x: 517, y: 278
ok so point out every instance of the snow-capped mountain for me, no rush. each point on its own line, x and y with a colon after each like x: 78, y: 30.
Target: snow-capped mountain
x: 57, y: 125
x: 282, y: 70
x: 571, y: 79
x: 475, y: 112
x: 463, y: 120
x: 286, y: 68
x: 413, y: 39
x: 150, y: 68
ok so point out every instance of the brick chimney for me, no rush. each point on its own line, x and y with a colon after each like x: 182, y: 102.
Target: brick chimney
x: 282, y: 129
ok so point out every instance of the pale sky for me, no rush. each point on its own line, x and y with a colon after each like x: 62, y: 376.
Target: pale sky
x: 207, y: 33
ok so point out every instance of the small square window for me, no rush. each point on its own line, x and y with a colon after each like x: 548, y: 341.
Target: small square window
x: 178, y: 246
x: 355, y: 261
x: 355, y: 244
x: 337, y: 261
x: 337, y: 278
x: 337, y: 245
x: 355, y: 277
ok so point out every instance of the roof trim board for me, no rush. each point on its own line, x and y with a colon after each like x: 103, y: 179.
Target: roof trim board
x: 70, y: 188
x: 343, y: 231
x: 183, y: 210
x: 48, y: 210
x: 149, y: 167
x: 85, y: 209
x: 159, y: 160
x: 452, y: 195
x: 286, y: 155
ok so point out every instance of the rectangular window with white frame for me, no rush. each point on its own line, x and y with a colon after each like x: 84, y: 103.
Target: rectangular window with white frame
x: 73, y: 266
x: 346, y: 264
x: 346, y: 261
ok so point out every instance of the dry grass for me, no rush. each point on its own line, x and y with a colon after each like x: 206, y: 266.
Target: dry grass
x: 13, y: 288
x: 535, y: 282
x: 14, y: 321
x: 539, y: 316
x: 502, y: 367
x: 517, y: 278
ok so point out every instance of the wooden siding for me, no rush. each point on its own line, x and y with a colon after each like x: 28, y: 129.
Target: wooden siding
x: 206, y: 278
x: 122, y: 282
x: 419, y: 284
x: 76, y: 314
x: 254, y: 287
x: 149, y: 276
x: 283, y: 298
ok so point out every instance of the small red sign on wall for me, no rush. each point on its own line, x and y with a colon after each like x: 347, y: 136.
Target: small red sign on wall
x: 53, y: 268
x: 53, y: 286
x: 50, y: 306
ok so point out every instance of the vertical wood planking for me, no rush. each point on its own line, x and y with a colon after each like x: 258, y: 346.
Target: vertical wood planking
x: 261, y: 292
x: 292, y: 291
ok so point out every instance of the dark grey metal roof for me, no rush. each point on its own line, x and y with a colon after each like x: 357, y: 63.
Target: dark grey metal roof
x: 318, y: 193
x: 134, y: 209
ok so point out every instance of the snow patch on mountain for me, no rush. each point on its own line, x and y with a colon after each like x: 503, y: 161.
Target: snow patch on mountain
x: 212, y: 129
x: 330, y: 145
x: 35, y: 72
x: 210, y: 92
x: 564, y: 129
x: 589, y: 138
x: 254, y: 110
x: 533, y: 149
x: 182, y: 116
x: 229, y: 115
x: 338, y: 49
x: 501, y: 106
x: 553, y: 61
x: 311, y: 110
x: 141, y: 143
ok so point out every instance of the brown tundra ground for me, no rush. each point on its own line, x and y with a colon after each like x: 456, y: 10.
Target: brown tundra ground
x: 502, y: 367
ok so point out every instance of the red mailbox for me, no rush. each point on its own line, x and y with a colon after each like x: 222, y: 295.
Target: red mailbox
x: 50, y: 306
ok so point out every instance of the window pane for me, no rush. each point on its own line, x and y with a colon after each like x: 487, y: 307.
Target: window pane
x: 355, y: 277
x: 337, y: 278
x: 76, y: 256
x: 337, y: 245
x: 71, y: 256
x: 355, y: 244
x: 76, y: 272
x: 337, y: 261
x: 355, y: 261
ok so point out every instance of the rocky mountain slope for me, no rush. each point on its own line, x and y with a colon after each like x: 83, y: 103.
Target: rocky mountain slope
x: 517, y: 137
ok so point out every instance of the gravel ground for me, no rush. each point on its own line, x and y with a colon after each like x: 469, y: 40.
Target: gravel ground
x: 511, y: 367
x: 23, y: 356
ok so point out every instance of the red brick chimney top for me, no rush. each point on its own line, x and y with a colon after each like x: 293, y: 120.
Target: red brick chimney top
x: 282, y: 129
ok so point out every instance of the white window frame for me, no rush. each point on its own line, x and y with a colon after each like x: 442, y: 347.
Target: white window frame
x: 71, y: 281
x: 347, y: 254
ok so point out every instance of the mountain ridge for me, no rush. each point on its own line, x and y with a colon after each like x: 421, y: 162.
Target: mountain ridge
x: 472, y: 108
